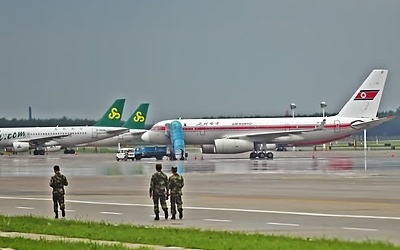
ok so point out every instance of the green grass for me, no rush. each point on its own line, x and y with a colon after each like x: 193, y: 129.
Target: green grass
x: 27, y: 244
x: 187, y: 238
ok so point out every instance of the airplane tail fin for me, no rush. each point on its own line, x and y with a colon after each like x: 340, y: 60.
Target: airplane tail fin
x: 112, y: 118
x: 138, y: 118
x: 365, y: 101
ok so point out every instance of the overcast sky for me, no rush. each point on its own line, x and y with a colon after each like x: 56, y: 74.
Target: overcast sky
x: 193, y: 58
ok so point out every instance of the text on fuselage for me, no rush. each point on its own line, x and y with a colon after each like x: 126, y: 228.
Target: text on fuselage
x: 12, y: 135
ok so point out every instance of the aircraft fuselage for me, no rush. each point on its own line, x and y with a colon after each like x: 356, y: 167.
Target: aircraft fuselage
x: 49, y: 136
x: 206, y: 131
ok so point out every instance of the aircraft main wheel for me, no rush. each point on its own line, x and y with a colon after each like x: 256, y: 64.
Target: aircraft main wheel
x: 253, y: 155
x: 261, y: 155
x: 270, y: 155
x: 39, y: 152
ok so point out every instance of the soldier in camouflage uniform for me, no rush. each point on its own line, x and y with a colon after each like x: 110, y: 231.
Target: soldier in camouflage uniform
x: 158, y: 191
x: 176, y: 183
x: 57, y: 182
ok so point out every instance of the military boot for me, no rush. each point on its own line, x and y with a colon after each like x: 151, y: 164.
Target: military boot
x: 180, y: 213
x: 63, y: 213
x: 56, y: 213
x: 166, y: 213
x: 157, y: 217
x: 173, y: 217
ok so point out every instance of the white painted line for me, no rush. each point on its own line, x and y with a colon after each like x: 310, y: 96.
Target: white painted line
x: 112, y: 213
x: 217, y: 220
x: 283, y: 224
x: 296, y: 213
x: 28, y: 208
x: 360, y: 229
x: 220, y: 209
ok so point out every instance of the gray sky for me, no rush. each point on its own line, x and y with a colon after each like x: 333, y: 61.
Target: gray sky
x: 193, y: 58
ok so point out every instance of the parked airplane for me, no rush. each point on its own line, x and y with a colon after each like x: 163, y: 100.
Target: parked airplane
x: 135, y: 124
x: 233, y: 135
x: 40, y: 138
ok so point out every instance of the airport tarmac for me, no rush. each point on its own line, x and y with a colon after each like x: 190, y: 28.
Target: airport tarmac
x: 329, y: 194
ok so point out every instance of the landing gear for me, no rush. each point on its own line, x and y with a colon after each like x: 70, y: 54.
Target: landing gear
x: 39, y: 152
x: 69, y: 151
x: 261, y: 155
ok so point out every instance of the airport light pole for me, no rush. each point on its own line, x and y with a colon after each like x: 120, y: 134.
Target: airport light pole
x: 323, y: 106
x: 293, y: 107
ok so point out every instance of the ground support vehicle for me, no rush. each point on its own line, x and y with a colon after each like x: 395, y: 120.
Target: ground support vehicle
x: 151, y: 151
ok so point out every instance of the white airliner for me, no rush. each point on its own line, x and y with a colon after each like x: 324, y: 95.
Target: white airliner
x: 41, y: 138
x: 133, y: 136
x: 238, y: 135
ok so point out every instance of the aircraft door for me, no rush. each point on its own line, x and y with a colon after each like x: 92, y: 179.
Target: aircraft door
x: 94, y: 133
x: 167, y: 129
x: 337, y: 126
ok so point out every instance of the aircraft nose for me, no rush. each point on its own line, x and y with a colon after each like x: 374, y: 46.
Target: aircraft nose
x: 146, y: 136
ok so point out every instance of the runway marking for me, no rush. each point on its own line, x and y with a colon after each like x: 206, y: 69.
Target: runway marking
x: 360, y: 229
x: 217, y: 220
x: 283, y: 224
x: 218, y: 209
x: 112, y: 213
x: 297, y: 213
x: 28, y: 208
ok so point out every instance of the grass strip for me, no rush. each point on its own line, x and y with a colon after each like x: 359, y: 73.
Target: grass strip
x: 187, y: 238
x: 30, y: 244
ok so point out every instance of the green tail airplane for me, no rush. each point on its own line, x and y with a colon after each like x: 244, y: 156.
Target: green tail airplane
x: 138, y: 118
x: 135, y: 124
x: 112, y: 118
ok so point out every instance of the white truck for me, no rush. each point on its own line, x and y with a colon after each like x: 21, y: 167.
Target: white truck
x: 124, y: 154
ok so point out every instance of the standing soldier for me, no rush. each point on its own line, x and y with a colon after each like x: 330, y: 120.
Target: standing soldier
x: 158, y: 191
x: 176, y: 184
x: 57, y: 182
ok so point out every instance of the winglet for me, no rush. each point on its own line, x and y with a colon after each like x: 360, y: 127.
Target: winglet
x: 365, y: 101
x: 112, y: 118
x: 138, y: 118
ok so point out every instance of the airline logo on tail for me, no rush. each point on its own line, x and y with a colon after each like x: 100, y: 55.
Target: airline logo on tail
x: 114, y: 114
x: 366, y: 95
x: 139, y: 117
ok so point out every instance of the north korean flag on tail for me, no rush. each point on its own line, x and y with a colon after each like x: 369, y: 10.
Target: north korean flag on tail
x: 366, y: 95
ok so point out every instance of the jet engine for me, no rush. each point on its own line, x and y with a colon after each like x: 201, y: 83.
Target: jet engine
x: 18, y: 147
x: 228, y: 146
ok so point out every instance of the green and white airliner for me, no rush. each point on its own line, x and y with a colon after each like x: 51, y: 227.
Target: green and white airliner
x: 41, y: 139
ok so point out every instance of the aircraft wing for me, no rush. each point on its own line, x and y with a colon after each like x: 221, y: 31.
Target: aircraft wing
x: 117, y: 131
x: 41, y: 141
x: 276, y: 136
x: 137, y: 131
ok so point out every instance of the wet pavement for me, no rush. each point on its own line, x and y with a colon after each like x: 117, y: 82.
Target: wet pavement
x: 308, y: 162
x: 335, y: 194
